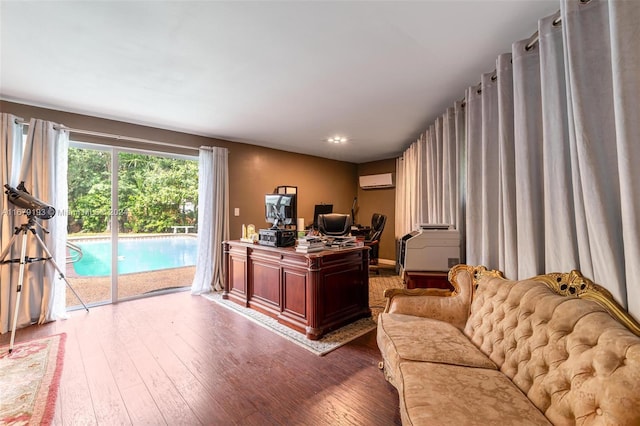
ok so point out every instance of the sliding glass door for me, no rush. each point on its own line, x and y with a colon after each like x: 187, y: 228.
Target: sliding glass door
x: 157, y: 239
x: 146, y: 243
x: 89, y: 222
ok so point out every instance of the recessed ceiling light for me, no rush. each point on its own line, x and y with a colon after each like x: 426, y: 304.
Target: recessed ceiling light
x: 337, y: 139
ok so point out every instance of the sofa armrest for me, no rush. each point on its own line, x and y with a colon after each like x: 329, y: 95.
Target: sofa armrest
x: 441, y: 304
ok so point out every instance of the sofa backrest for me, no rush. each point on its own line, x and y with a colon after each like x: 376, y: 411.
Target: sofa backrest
x: 574, y: 360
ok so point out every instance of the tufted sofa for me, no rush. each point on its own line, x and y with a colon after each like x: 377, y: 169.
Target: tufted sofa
x: 553, y: 349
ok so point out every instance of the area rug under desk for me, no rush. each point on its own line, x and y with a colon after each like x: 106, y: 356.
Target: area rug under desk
x: 324, y: 345
x: 30, y: 380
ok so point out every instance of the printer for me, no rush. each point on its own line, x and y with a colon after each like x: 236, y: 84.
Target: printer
x: 431, y: 247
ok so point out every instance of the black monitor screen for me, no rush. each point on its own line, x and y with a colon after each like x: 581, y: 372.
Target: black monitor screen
x: 280, y: 209
x: 321, y: 209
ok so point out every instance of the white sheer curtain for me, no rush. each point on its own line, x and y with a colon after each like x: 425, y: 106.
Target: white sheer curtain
x: 625, y: 62
x: 213, y: 219
x: 408, y: 189
x: 506, y: 159
x: 461, y: 164
x: 43, y: 169
x: 427, y: 175
x: 490, y: 176
x: 401, y: 200
x: 529, y: 175
x: 11, y: 147
x: 559, y: 211
x: 473, y: 211
x: 552, y: 147
x: 597, y: 147
x: 575, y: 142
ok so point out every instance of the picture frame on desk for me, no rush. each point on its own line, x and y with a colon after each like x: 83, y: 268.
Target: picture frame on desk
x: 249, y: 234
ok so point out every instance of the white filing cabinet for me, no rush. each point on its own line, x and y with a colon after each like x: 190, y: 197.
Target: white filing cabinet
x: 430, y: 248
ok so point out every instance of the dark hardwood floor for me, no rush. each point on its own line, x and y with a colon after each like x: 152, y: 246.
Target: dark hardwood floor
x: 180, y: 359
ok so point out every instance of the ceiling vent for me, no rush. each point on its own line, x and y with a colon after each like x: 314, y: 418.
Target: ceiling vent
x: 383, y: 180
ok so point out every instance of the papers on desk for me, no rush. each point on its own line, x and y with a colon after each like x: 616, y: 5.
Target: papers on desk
x: 310, y: 244
x: 314, y: 244
x: 344, y: 242
x: 341, y: 241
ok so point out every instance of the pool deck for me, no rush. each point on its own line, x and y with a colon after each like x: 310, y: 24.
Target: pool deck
x: 98, y: 289
x: 82, y: 237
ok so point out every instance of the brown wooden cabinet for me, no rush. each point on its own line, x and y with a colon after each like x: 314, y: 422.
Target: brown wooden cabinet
x: 310, y: 292
x: 426, y: 279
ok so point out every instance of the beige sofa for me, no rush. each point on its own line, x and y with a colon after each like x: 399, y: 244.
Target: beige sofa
x: 554, y: 349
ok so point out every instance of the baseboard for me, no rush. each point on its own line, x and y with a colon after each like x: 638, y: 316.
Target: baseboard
x: 387, y: 262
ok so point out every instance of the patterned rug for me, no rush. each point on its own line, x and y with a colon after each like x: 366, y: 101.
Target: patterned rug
x: 330, y: 341
x: 378, y: 283
x: 30, y: 379
x: 324, y: 345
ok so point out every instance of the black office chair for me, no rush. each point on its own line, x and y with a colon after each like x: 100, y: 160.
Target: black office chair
x: 372, y: 240
x: 334, y: 224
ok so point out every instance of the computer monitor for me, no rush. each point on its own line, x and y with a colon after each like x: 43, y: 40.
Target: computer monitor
x: 280, y: 209
x: 321, y: 209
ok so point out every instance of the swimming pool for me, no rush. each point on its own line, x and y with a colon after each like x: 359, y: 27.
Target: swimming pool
x: 135, y: 255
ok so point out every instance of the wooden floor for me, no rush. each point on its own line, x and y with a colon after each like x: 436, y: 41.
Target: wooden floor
x: 180, y: 359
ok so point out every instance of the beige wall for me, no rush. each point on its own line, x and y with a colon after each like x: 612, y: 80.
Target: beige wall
x: 372, y: 201
x: 253, y: 171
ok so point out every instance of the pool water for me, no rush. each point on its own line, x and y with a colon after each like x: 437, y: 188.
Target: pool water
x: 135, y: 255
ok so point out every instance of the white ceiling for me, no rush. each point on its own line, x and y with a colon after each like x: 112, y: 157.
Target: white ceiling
x: 286, y: 75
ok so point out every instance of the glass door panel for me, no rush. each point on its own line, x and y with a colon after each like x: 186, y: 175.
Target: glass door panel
x: 157, y: 228
x: 89, y: 241
x: 132, y: 236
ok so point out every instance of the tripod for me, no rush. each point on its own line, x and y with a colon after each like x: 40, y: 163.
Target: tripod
x: 24, y: 259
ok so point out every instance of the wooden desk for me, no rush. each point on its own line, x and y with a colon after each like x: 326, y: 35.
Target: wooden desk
x: 310, y: 292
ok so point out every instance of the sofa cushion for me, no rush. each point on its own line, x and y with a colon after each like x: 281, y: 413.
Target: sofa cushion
x: 574, y: 361
x: 406, y: 337
x: 441, y: 394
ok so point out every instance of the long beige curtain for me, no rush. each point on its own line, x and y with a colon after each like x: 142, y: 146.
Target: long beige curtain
x: 41, y: 163
x: 213, y: 218
x: 549, y: 176
x: 44, y: 172
x: 11, y: 147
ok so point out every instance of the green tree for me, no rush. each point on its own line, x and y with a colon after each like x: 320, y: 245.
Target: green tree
x: 89, y: 178
x: 153, y: 191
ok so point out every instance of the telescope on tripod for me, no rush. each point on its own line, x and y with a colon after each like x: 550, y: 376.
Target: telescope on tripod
x: 33, y: 209
x: 30, y: 204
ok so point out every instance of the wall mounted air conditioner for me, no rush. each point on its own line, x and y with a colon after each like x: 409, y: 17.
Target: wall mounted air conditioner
x: 383, y: 180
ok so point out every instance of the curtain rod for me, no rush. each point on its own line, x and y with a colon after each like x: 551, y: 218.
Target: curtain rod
x: 112, y: 136
x: 533, y: 40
